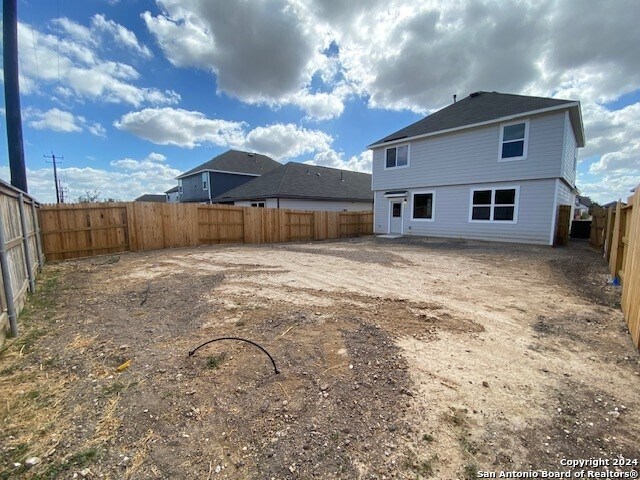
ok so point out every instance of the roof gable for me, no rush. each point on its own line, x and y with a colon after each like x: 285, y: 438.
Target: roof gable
x: 482, y: 108
x: 299, y: 180
x: 236, y: 161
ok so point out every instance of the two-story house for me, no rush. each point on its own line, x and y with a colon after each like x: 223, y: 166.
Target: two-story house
x: 221, y: 174
x: 492, y: 166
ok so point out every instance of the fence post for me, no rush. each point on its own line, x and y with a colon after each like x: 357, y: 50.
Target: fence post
x: 131, y: 227
x: 616, y: 242
x: 36, y: 230
x: 6, y: 281
x: 25, y: 242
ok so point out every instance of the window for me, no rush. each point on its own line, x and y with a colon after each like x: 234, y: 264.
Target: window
x: 494, y: 205
x: 397, y: 157
x: 180, y: 186
x: 422, y: 206
x: 204, y: 180
x: 513, y: 141
x: 396, y: 210
x: 257, y: 204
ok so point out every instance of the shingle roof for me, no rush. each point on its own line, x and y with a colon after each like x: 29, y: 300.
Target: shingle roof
x: 483, y: 107
x: 237, y: 162
x: 299, y: 180
x: 174, y: 189
x: 151, y: 197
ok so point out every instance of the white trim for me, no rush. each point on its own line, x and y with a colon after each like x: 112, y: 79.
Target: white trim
x: 391, y: 202
x: 401, y: 166
x: 492, y: 206
x: 433, y: 205
x: 479, y: 124
x: 554, y: 213
x: 525, y: 147
x: 204, y: 179
x: 184, y: 175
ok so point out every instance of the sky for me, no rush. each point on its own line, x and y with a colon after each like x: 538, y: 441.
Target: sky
x: 131, y: 93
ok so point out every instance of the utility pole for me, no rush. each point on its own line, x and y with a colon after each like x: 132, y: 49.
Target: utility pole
x: 12, y: 94
x: 54, y: 160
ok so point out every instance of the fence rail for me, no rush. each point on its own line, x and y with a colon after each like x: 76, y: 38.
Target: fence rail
x: 84, y: 230
x: 21, y: 255
x: 620, y: 240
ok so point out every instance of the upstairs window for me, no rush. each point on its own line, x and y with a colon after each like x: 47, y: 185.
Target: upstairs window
x: 204, y: 180
x: 397, y: 156
x: 513, y: 141
x: 494, y: 205
x: 180, y: 186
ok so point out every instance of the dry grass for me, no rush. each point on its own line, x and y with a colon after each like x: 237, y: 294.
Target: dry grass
x: 108, y: 424
x: 142, y: 447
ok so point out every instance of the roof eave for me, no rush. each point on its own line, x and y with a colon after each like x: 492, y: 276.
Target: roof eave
x: 487, y: 122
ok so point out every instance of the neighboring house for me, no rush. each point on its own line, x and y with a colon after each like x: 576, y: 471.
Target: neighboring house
x: 173, y: 194
x: 581, y: 208
x: 305, y: 187
x: 491, y: 167
x: 150, y: 197
x: 221, y: 174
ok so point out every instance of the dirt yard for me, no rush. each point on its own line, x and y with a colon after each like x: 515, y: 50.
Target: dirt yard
x: 399, y: 358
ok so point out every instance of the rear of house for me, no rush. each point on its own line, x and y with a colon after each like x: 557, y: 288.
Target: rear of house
x: 489, y: 167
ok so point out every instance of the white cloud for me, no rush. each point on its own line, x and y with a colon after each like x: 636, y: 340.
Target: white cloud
x: 78, y: 68
x: 283, y: 141
x: 61, y: 121
x: 120, y: 34
x: 129, y: 179
x: 333, y: 159
x: 184, y: 128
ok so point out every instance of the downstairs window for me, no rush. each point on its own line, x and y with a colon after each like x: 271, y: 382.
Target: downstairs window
x: 494, y: 205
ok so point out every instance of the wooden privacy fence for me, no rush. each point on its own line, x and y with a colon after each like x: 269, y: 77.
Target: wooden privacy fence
x: 620, y: 239
x: 82, y: 230
x: 21, y: 254
x: 598, y: 226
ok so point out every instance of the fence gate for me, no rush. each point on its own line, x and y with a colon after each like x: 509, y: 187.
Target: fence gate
x: 563, y: 222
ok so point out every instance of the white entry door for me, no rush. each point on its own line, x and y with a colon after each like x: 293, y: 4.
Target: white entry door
x: 395, y: 223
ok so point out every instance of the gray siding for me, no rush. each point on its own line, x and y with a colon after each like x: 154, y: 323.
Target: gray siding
x: 223, y: 182
x: 451, y: 214
x: 192, y: 189
x: 568, y: 152
x: 471, y: 156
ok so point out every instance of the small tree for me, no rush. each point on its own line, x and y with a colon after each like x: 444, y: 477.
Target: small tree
x: 93, y: 197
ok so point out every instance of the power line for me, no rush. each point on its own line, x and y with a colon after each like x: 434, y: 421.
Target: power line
x: 55, y: 175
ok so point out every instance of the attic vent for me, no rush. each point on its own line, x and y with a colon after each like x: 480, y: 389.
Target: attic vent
x: 318, y: 173
x: 475, y: 94
x: 251, y: 154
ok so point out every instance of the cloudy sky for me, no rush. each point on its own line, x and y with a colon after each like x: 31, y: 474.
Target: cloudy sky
x: 132, y: 93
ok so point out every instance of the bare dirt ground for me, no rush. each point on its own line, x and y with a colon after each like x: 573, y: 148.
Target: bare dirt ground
x: 407, y: 358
